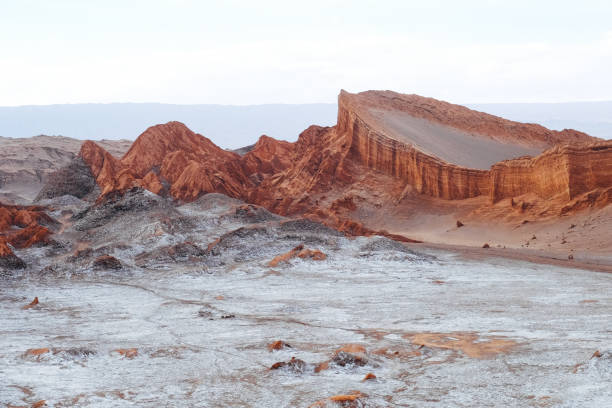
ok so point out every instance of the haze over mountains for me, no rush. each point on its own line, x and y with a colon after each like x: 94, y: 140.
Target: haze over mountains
x: 236, y: 126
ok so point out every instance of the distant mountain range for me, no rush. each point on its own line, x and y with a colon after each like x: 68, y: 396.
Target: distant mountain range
x: 236, y: 126
x: 594, y: 118
x: 228, y: 126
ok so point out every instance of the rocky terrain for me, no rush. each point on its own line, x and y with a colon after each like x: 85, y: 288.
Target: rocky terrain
x: 333, y: 271
x: 143, y: 301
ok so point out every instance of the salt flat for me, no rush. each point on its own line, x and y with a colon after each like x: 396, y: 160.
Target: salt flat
x: 201, y: 336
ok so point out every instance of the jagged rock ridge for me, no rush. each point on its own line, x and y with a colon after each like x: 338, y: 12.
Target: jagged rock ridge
x: 377, y: 133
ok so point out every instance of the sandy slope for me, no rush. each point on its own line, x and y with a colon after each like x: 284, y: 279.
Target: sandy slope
x: 449, y: 144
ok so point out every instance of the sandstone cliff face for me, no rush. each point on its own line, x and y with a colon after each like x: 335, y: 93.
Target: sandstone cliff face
x: 427, y: 174
x: 565, y: 171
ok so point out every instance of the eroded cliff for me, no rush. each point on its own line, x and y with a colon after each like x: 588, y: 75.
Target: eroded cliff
x: 384, y: 146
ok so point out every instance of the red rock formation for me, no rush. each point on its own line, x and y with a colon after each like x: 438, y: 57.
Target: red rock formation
x: 268, y: 157
x: 428, y: 175
x: 154, y: 145
x: 319, y: 164
x: 353, y: 399
x: 189, y: 163
x: 19, y: 227
x: 110, y: 173
x: 326, y: 175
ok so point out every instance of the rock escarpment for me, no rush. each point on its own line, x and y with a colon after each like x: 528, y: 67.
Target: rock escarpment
x: 565, y: 171
x: 427, y: 174
x: 384, y: 144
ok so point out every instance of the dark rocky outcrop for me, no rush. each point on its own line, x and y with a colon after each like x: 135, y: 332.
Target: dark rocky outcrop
x: 75, y: 179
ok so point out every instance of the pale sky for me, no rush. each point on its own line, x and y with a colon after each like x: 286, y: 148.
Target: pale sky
x: 255, y: 52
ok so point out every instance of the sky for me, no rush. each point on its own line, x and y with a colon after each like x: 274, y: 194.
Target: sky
x: 258, y: 52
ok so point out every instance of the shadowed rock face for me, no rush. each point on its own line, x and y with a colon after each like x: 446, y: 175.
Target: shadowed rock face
x: 75, y: 179
x: 8, y: 260
x: 115, y: 204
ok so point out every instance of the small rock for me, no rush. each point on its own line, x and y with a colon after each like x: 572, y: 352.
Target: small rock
x: 107, y: 262
x: 486, y: 245
x: 350, y: 355
x: 228, y: 316
x: 129, y: 353
x: 343, y: 359
x: 278, y: 345
x: 369, y: 376
x: 36, y: 352
x: 460, y: 224
x: 295, y: 365
x: 570, y: 257
x: 31, y: 304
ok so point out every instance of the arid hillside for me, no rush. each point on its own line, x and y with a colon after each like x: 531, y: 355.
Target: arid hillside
x: 390, y: 162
